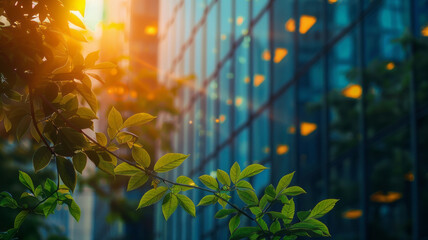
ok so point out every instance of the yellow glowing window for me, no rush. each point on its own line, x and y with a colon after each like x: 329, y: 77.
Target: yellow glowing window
x: 222, y: 118
x: 190, y: 122
x: 385, y: 198
x: 280, y: 53
x: 258, y: 79
x: 229, y: 102
x: 238, y: 101
x: 353, y: 214
x: 390, y: 66
x: 282, y: 149
x: 409, y: 177
x: 332, y: 1
x: 247, y: 80
x: 307, y: 128
x: 424, y: 31
x: 223, y: 37
x: 306, y: 23
x: 151, y: 30
x: 290, y: 25
x: 352, y: 91
x: 240, y: 20
x: 266, y: 55
x: 266, y: 149
x: 217, y: 120
x: 292, y: 130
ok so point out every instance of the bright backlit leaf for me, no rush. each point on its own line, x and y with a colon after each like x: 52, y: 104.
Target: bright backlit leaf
x: 209, y: 181
x: 248, y: 197
x: 101, y: 138
x: 244, y: 185
x: 19, y: 219
x: 223, y: 177
x: 323, y: 208
x: 169, y: 161
x: 25, y: 179
x: 152, y: 196
x: 126, y: 170
x: 244, y: 232
x: 141, y: 156
x: 222, y: 213
x: 284, y: 182
x: 208, y: 200
x: 251, y: 170
x: 115, y: 120
x: 187, y: 181
x: 169, y: 205
x: 234, y: 223
x: 288, y: 210
x: 293, y: 191
x: 138, y: 119
x: 234, y: 172
x: 136, y: 181
x: 187, y: 204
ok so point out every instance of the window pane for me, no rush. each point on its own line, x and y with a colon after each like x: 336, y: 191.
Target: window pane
x: 260, y: 134
x: 242, y: 81
x: 223, y: 120
x: 242, y: 19
x: 212, y: 37
x: 226, y: 22
x: 210, y: 118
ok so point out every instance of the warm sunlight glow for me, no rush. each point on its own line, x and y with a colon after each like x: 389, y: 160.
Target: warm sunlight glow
x: 292, y: 130
x: 307, y: 128
x: 424, y: 31
x: 151, y: 30
x: 238, y: 101
x: 190, y: 122
x: 352, y: 91
x: 223, y: 37
x: 282, y: 149
x: 258, y: 79
x: 247, y: 80
x: 353, y: 214
x: 390, y: 197
x: 217, y: 120
x: 134, y: 94
x: 280, y: 53
x: 306, y: 23
x: 332, y: 1
x: 266, y: 55
x: 239, y: 20
x: 390, y: 66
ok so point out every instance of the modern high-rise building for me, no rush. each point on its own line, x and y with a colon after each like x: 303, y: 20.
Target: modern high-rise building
x: 336, y: 90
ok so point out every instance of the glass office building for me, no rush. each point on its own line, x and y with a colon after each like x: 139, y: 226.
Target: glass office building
x: 336, y: 90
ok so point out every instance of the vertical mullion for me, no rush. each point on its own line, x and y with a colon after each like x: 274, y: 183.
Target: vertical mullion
x: 363, y: 170
x: 414, y: 134
x: 296, y: 92
x: 271, y: 89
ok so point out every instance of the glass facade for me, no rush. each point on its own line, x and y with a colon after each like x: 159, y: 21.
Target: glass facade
x: 336, y: 90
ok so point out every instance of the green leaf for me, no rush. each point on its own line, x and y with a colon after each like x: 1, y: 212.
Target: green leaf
x: 91, y: 58
x: 41, y: 158
x: 169, y: 205
x: 106, y: 167
x: 244, y: 232
x: 187, y: 204
x: 312, y: 226
x: 187, y: 181
x: 275, y: 226
x: 169, y: 161
x: 270, y: 190
x: 302, y: 215
x: 89, y: 96
x: 288, y: 210
x: 293, y: 191
x: 248, y: 197
x: 138, y: 119
x: 224, y: 213
x: 6, y: 200
x: 79, y: 161
x: 222, y: 202
x: 138, y: 180
x: 284, y: 182
x: 22, y: 127
x: 244, y: 185
x: 323, y: 208
x: 276, y: 215
x: 76, y: 21
x: 141, y: 156
x: 73, y: 208
x: 209, y: 181
x: 223, y: 177
x: 66, y: 172
x: 25, y: 179
x: 152, y: 196
x: 101, y: 138
x: 115, y: 120
x: 234, y: 223
x: 126, y: 170
x: 208, y: 200
x: 19, y: 219
x: 251, y: 170
x: 72, y: 139
x: 7, y: 124
x: 235, y: 170
x: 86, y: 113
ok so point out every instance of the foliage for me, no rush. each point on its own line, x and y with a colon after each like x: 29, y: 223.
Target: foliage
x: 46, y: 92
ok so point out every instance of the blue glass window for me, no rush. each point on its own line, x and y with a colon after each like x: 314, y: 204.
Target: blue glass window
x: 242, y: 82
x: 226, y: 22
x: 242, y: 19
x: 260, y: 146
x: 210, y: 117
x: 212, y: 37
x: 224, y: 118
